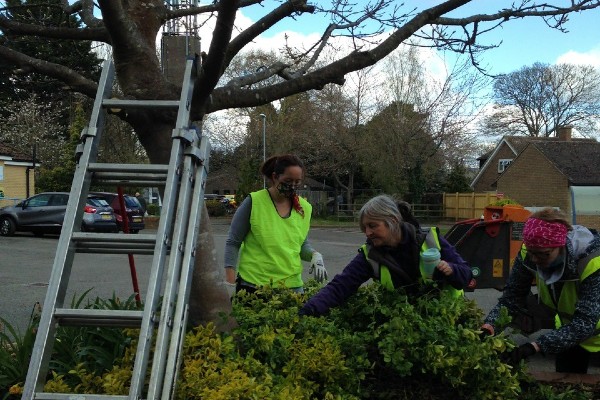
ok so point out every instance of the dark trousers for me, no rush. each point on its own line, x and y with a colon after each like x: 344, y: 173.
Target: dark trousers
x: 241, y: 284
x: 575, y: 360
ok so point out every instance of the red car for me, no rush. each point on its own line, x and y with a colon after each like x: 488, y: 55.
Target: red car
x: 133, y: 208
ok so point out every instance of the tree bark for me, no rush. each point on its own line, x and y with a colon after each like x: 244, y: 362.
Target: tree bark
x: 209, y: 298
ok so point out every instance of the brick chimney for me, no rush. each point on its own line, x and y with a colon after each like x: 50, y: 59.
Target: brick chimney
x: 563, y: 133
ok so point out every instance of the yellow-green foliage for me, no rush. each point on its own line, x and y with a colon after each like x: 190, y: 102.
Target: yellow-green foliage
x: 380, y: 345
x: 505, y: 201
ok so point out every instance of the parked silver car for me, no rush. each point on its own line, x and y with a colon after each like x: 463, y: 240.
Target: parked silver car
x: 45, y: 213
x: 98, y: 216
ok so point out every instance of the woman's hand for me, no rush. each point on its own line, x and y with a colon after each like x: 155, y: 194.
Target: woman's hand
x: 445, y: 268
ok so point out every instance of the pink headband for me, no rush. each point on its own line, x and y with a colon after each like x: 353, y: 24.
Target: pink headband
x: 540, y: 233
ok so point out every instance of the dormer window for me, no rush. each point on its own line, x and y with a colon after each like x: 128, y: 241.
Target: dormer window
x: 503, y: 163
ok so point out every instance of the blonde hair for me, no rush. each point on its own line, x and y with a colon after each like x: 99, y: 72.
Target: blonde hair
x: 550, y: 214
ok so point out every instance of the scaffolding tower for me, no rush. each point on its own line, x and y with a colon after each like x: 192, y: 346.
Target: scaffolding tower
x: 180, y: 40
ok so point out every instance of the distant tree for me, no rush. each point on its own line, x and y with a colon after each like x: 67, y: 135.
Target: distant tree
x: 32, y: 122
x: 60, y: 177
x: 77, y: 55
x: 457, y: 179
x: 220, y: 158
x: 535, y: 100
x: 120, y: 144
x: 341, y: 114
x: 423, y: 126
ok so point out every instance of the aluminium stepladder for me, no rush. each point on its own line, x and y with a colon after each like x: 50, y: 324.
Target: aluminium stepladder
x: 173, y: 247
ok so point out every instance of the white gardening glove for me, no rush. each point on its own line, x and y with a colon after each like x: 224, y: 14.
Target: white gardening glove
x: 317, y: 266
x: 230, y: 287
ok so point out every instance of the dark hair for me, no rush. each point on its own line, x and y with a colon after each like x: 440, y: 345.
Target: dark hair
x: 278, y: 164
x: 405, y: 211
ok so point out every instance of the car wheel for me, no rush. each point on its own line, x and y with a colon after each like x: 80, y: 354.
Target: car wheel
x: 134, y: 231
x: 83, y: 228
x: 7, y: 227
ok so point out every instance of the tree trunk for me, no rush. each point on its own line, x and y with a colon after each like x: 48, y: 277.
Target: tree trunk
x: 209, y: 297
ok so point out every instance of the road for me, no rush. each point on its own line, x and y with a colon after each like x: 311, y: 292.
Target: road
x: 26, y: 262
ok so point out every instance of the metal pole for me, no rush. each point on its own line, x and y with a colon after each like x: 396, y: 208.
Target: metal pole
x: 264, y: 118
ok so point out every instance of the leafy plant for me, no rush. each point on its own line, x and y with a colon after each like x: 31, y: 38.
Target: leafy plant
x: 505, y: 201
x: 379, y: 345
x: 153, y: 209
x: 376, y: 346
x: 215, y: 208
x: 92, y: 349
x: 15, y: 352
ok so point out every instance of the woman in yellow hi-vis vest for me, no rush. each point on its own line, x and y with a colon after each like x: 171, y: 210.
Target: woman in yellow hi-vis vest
x: 392, y: 255
x: 267, y: 239
x: 564, y: 261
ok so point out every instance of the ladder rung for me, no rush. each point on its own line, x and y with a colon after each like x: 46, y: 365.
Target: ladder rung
x: 71, y: 396
x: 114, y: 243
x: 92, y: 317
x: 130, y: 174
x: 142, y: 238
x: 137, y: 168
x: 129, y: 104
x: 104, y: 250
x: 130, y: 183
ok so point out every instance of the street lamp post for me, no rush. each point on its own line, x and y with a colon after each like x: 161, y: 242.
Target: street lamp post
x: 264, y: 118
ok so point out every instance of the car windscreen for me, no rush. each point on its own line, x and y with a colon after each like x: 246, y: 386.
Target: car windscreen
x: 132, y: 202
x: 97, y: 201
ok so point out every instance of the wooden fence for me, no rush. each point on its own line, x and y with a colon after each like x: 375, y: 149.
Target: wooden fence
x: 454, y: 206
x: 459, y: 206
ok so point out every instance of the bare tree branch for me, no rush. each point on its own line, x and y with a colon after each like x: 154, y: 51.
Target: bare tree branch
x: 85, y: 8
x: 73, y: 81
x: 266, y: 22
x: 184, y: 12
x: 331, y: 73
x: 17, y: 28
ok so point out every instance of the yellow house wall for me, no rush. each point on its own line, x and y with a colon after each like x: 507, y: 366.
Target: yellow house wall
x: 14, y: 183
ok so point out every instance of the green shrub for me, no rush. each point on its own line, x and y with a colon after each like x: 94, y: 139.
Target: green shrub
x: 505, y: 201
x: 380, y: 345
x: 215, y: 208
x: 153, y: 209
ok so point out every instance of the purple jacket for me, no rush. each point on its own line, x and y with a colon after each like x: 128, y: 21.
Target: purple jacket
x: 359, y: 270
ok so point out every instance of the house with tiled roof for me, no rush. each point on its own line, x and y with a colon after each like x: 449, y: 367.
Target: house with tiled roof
x: 17, y: 180
x: 493, y: 164
x: 557, y: 173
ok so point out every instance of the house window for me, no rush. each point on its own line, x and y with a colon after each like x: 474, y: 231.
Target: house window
x: 503, y: 163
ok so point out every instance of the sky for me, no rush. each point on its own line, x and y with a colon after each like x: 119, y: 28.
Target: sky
x: 522, y: 42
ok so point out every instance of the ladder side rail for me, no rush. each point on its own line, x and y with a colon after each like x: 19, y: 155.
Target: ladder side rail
x: 178, y: 248
x: 163, y: 236
x: 182, y: 306
x: 173, y: 272
x: 164, y: 231
x: 72, y: 396
x: 187, y: 91
x: 63, y: 260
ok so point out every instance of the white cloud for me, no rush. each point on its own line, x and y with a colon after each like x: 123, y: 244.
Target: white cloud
x: 591, y: 57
